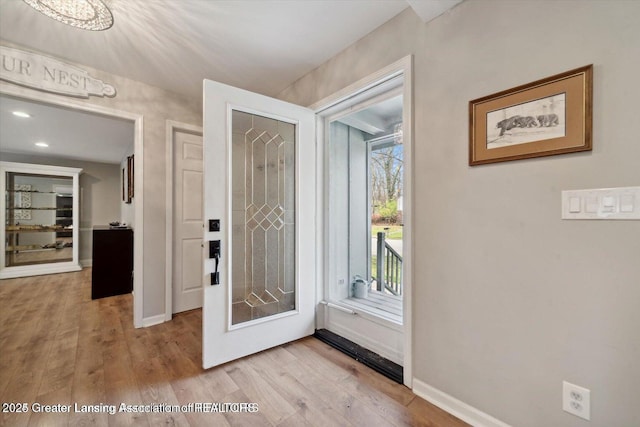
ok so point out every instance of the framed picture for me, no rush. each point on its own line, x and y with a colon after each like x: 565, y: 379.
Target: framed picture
x: 547, y: 117
x: 130, y: 184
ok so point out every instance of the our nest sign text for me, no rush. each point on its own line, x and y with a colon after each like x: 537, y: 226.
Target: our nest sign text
x: 49, y: 74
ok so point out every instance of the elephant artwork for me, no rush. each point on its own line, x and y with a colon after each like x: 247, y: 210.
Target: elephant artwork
x: 520, y: 122
x: 507, y: 124
x: 547, y: 120
x: 526, y: 122
x: 543, y: 120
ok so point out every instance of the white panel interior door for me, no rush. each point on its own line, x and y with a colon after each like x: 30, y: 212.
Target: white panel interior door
x: 187, y: 222
x: 259, y: 181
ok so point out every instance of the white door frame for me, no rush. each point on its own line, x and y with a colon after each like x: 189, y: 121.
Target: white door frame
x: 403, y: 67
x: 138, y: 200
x: 171, y: 128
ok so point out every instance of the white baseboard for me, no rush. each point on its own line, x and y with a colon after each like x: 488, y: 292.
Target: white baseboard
x: 86, y: 262
x: 455, y: 407
x: 153, y: 320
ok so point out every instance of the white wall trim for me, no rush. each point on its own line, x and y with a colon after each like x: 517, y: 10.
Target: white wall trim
x: 399, y: 67
x: 153, y: 320
x: 406, y: 65
x: 171, y: 128
x: 85, y: 263
x: 138, y: 235
x: 138, y: 227
x: 455, y: 407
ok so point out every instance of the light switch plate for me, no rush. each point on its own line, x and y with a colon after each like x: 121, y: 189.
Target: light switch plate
x: 602, y: 203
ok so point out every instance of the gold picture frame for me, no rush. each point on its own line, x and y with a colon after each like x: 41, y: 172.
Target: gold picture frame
x: 543, y: 118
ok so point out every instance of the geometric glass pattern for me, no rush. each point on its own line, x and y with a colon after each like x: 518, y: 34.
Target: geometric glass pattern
x: 263, y: 217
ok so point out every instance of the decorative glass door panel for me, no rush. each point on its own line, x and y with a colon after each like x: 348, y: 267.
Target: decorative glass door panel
x: 260, y: 184
x: 263, y: 212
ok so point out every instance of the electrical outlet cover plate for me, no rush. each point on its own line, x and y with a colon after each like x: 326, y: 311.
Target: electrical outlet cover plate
x: 576, y: 400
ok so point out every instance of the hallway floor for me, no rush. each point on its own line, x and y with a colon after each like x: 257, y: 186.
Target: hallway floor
x: 61, y: 348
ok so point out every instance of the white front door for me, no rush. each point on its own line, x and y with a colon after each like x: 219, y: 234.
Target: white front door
x: 259, y: 182
x: 187, y: 222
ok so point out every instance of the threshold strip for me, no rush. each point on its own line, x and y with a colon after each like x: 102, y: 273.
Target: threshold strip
x: 386, y: 367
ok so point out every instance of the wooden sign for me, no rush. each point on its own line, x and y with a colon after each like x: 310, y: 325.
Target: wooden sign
x: 49, y: 75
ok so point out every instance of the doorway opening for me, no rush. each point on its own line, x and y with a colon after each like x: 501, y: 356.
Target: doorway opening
x: 365, y: 184
x: 84, y: 122
x: 316, y: 198
x: 365, y: 156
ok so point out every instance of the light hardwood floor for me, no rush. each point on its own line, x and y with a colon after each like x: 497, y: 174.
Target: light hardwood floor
x: 58, y: 347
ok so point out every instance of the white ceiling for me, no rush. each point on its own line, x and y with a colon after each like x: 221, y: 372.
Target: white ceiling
x: 70, y: 133
x: 378, y: 118
x: 258, y: 45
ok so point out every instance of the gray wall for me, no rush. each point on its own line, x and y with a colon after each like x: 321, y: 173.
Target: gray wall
x: 99, y: 194
x: 509, y: 300
x: 156, y: 106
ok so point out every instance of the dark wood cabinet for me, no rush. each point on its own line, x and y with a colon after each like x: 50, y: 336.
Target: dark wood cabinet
x: 112, y: 272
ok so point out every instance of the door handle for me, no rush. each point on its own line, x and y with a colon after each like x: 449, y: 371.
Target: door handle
x: 215, y: 253
x: 214, y: 249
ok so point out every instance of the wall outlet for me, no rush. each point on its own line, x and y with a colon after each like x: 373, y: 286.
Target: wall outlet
x: 576, y: 400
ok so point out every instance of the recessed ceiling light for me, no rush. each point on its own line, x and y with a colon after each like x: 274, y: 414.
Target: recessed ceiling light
x: 21, y: 114
x: 91, y: 15
x: 42, y: 144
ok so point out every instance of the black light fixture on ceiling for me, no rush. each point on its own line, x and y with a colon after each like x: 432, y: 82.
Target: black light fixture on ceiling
x: 91, y: 15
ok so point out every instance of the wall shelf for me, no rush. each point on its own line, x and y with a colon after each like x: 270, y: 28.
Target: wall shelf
x: 44, y: 208
x: 34, y: 228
